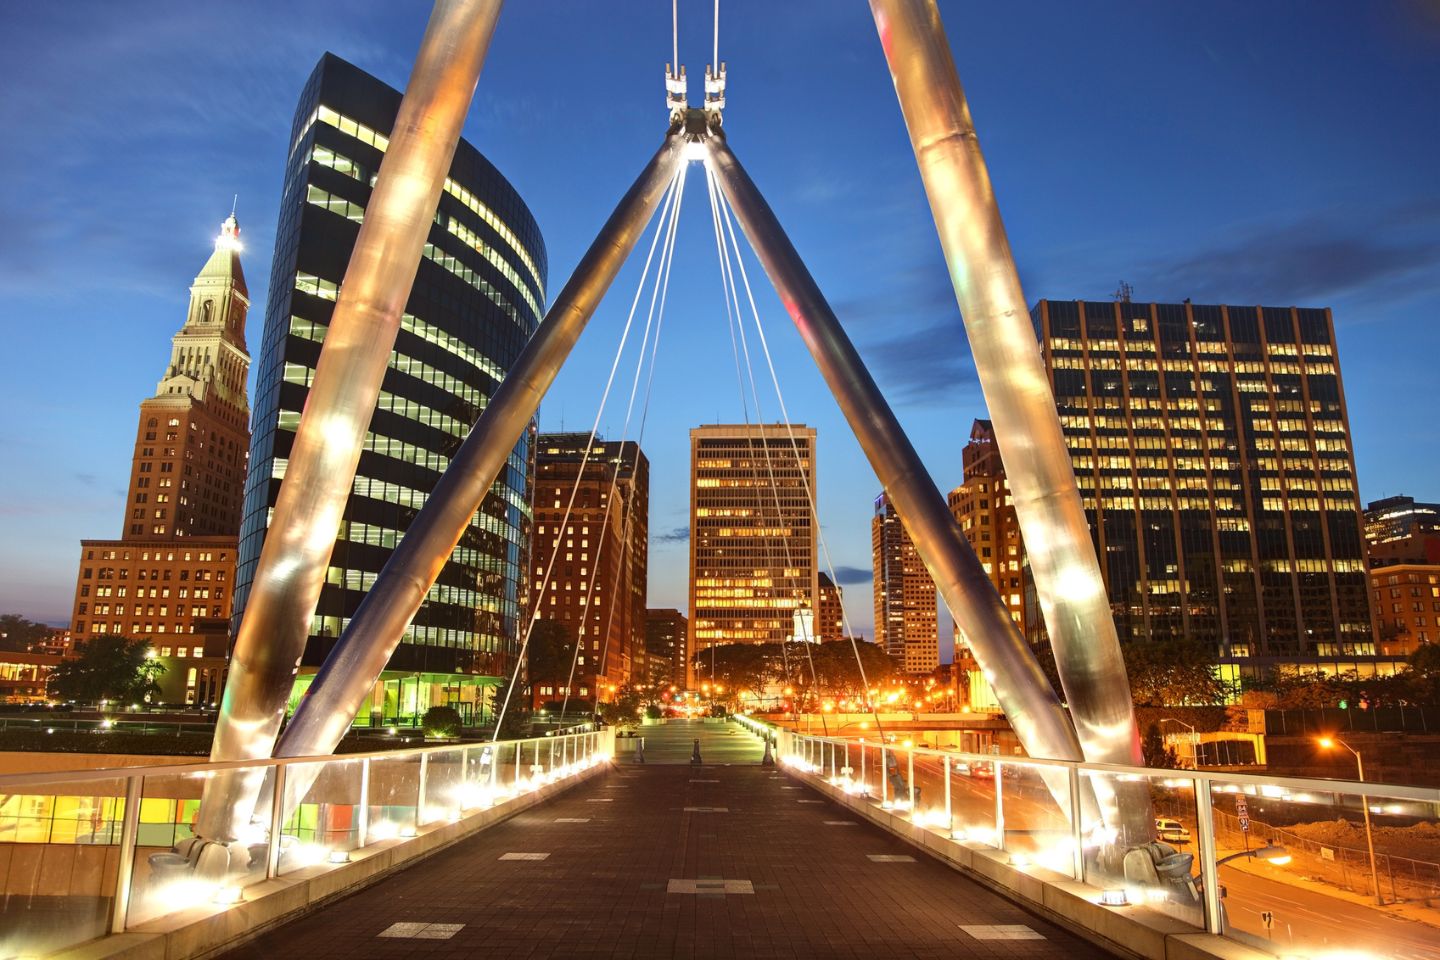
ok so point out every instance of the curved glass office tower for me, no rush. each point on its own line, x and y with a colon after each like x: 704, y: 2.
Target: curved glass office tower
x: 478, y: 296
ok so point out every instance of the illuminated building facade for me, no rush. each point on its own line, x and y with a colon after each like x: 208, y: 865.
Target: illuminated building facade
x: 829, y: 610
x: 169, y: 579
x: 478, y: 295
x: 752, y: 542
x: 1211, y: 445
x: 665, y: 644
x: 986, y: 515
x: 1399, y: 530
x: 906, y: 608
x: 1406, y: 597
x: 597, y: 560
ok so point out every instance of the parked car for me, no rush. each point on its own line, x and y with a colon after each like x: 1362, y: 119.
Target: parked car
x: 1171, y: 831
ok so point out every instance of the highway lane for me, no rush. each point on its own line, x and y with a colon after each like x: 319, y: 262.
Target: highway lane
x: 1309, y: 920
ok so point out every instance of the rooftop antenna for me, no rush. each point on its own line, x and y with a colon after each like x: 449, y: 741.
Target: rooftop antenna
x: 1124, y: 292
x: 234, y: 202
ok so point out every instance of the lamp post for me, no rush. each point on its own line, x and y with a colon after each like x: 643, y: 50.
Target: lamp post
x: 1194, y: 740
x: 1327, y: 743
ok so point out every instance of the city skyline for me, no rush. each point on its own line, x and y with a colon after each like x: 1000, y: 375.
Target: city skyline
x: 1329, y: 240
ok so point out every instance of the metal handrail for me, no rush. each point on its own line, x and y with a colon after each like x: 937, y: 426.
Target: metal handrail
x: 7, y: 781
x: 1203, y: 783
x: 1304, y: 784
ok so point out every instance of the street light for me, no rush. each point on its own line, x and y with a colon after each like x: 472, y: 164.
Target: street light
x: 1194, y: 739
x: 1327, y: 743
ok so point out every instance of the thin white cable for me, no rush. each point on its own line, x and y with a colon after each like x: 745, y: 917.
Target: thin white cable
x: 662, y: 273
x: 675, y: 34
x: 614, y: 365
x: 732, y: 294
x: 716, y: 60
x: 814, y: 512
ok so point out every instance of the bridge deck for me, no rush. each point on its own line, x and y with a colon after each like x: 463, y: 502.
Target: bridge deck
x: 675, y: 861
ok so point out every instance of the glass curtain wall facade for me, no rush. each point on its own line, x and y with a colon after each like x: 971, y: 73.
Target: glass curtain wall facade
x: 478, y: 296
x: 1212, y: 447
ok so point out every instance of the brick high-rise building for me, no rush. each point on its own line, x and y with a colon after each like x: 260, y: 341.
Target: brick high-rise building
x: 753, y: 576
x: 1212, y: 449
x: 906, y: 624
x: 986, y: 515
x: 665, y: 645
x: 597, y: 560
x: 830, y: 610
x: 169, y: 577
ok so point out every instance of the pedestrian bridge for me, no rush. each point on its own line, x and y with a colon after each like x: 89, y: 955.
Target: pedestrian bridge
x: 560, y: 847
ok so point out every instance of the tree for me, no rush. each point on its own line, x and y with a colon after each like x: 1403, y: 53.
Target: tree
x: 738, y: 667
x: 19, y: 634
x: 838, y: 673
x: 109, y: 668
x: 1175, y: 674
x: 441, y: 722
x: 1157, y: 752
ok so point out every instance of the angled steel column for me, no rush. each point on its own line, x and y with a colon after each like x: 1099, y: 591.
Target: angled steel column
x: 1012, y: 375
x: 1019, y: 684
x: 342, y: 397
x: 351, y: 669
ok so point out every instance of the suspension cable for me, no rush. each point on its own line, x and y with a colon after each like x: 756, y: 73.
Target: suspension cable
x: 574, y: 490
x: 814, y: 512
x: 662, y: 282
x: 732, y: 300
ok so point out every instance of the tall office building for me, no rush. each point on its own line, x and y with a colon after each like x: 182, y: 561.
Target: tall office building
x: 665, y: 632
x: 753, y: 577
x: 169, y: 577
x: 596, y: 558
x: 986, y: 515
x: 829, y: 610
x: 477, y: 297
x: 906, y: 624
x: 1212, y: 448
x: 1399, y: 530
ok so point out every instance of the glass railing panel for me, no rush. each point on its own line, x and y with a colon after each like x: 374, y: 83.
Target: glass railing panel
x: 59, y: 859
x: 323, y: 814
x: 169, y: 874
x: 972, y: 800
x: 391, y: 806
x: 1140, y: 838
x: 1035, y: 801
x: 1297, y: 875
x: 444, y: 799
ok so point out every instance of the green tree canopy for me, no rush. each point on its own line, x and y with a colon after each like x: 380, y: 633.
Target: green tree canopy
x: 108, y: 668
x: 739, y: 667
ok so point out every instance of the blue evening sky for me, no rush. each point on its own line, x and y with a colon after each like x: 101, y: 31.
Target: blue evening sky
x: 1240, y: 152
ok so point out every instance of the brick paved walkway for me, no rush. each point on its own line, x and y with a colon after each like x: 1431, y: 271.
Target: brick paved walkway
x: 676, y: 861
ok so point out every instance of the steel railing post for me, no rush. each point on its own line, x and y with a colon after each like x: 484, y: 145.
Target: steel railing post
x: 125, y: 868
x: 1209, y: 870
x: 1077, y: 829
x: 884, y: 779
x: 420, y: 789
x: 362, y: 833
x: 999, y: 804
x: 277, y: 823
x: 949, y: 810
x: 864, y: 782
x: 911, y: 779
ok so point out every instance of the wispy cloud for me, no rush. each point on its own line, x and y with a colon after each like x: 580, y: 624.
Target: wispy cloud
x: 848, y: 576
x: 674, y: 535
x: 1315, y: 259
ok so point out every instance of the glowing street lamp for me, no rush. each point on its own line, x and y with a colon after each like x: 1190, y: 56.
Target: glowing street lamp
x: 1327, y: 743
